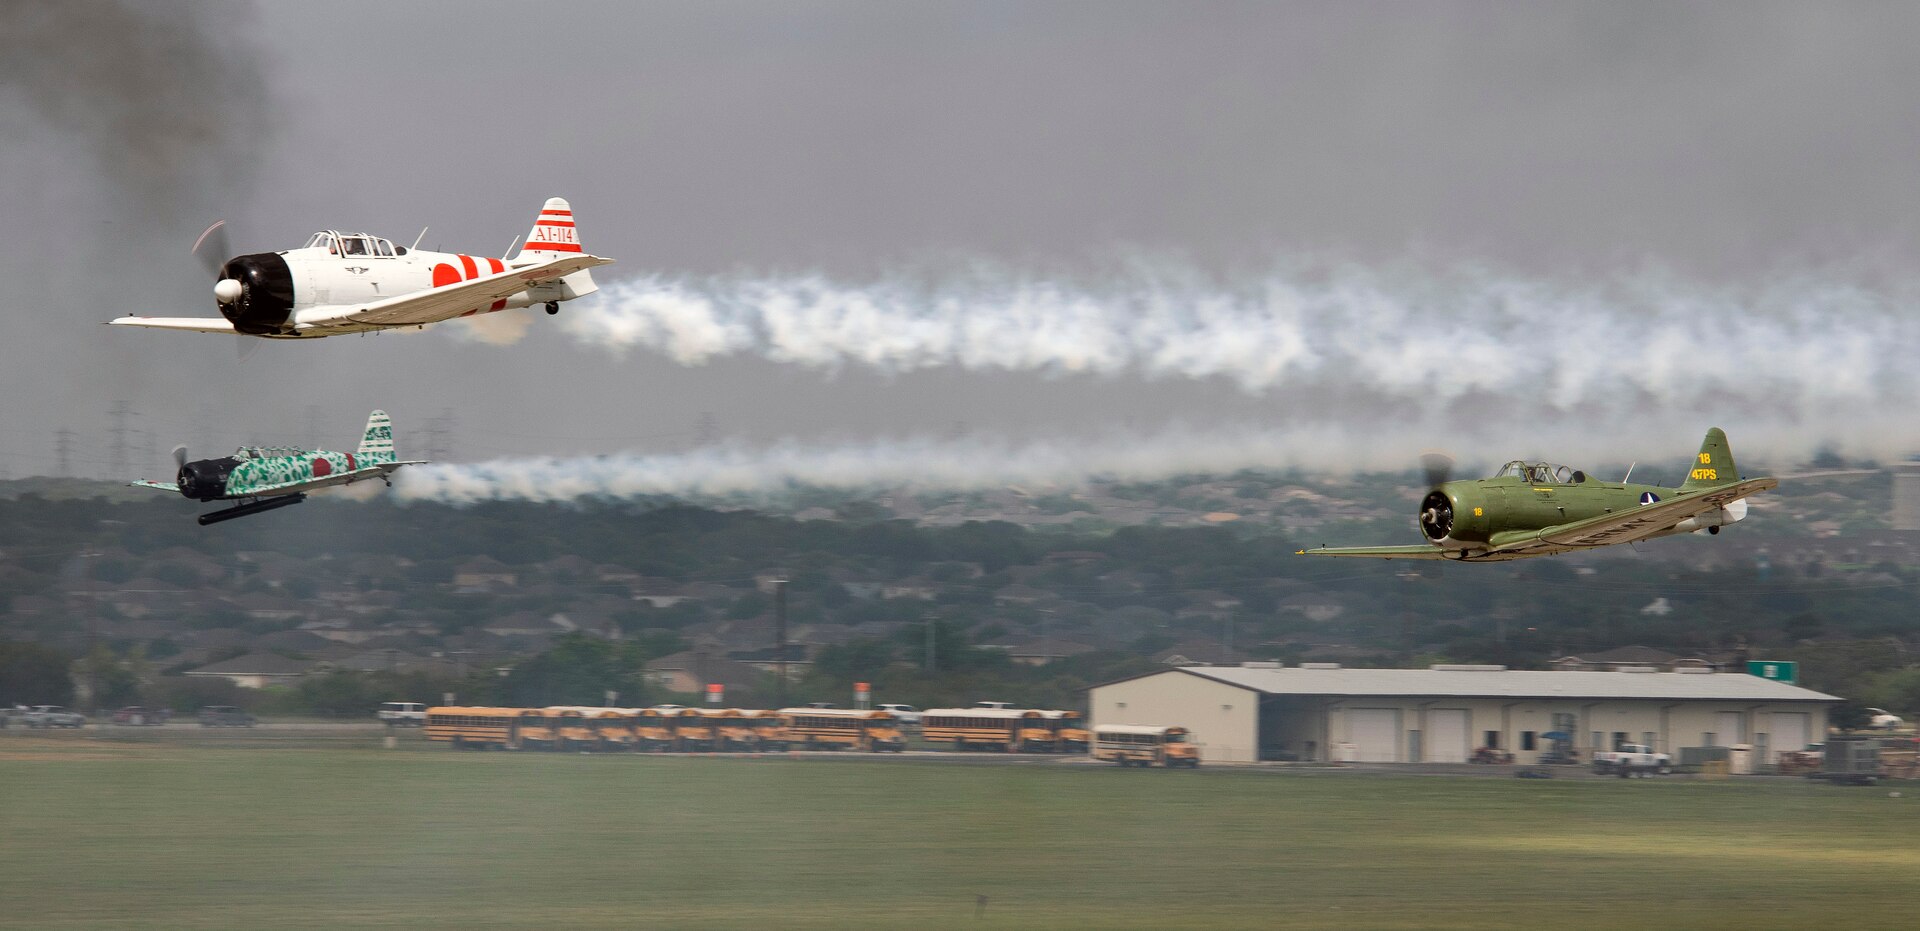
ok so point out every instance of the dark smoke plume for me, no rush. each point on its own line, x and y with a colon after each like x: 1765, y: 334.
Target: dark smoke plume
x: 167, y: 97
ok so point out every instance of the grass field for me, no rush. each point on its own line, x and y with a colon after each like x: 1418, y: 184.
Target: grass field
x: 99, y: 834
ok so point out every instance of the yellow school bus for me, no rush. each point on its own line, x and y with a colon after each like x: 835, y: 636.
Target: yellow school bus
x: 1144, y: 745
x: 692, y: 730
x: 535, y: 729
x: 731, y: 729
x: 768, y: 729
x: 1013, y: 730
x: 833, y: 728
x: 468, y: 727
x: 1004, y: 729
x: 589, y: 727
x: 616, y: 726
x: 654, y: 728
x: 1070, y: 729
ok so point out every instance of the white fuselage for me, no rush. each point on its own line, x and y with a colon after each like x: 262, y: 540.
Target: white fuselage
x: 322, y: 278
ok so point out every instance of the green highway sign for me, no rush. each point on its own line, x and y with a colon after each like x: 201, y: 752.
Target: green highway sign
x: 1774, y: 669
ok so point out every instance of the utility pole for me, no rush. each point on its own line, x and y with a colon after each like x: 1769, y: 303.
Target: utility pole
x: 706, y: 430
x: 780, y: 636
x: 931, y: 658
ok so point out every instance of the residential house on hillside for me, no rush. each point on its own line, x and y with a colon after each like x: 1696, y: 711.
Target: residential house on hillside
x: 767, y: 659
x: 1314, y: 606
x: 304, y: 642
x: 1199, y: 653
x: 691, y: 671
x: 915, y: 588
x: 256, y: 670
x: 529, y: 624
x: 1040, y: 652
x: 1637, y: 657
x: 1017, y: 594
x: 483, y: 575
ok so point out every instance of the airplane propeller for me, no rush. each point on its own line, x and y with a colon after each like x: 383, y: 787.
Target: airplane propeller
x: 212, y: 247
x: 1436, y: 511
x: 213, y: 251
x: 180, y: 457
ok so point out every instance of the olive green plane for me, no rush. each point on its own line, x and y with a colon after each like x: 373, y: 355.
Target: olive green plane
x: 1539, y: 509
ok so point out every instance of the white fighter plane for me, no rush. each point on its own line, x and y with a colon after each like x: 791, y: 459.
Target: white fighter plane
x: 342, y: 283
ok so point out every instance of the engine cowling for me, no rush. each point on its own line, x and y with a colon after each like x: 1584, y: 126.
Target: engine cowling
x: 205, y: 479
x: 262, y: 304
x: 1455, y: 517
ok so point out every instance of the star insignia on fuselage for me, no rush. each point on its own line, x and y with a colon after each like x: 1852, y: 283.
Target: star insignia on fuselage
x: 358, y: 269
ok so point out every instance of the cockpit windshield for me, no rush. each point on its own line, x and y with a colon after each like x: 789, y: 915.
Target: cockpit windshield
x: 1541, y: 473
x: 353, y: 244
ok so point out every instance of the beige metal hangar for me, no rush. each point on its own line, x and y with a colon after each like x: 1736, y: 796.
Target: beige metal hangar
x: 1320, y: 711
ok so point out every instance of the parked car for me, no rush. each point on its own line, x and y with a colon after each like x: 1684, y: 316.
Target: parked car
x: 137, y: 716
x: 52, y: 716
x: 225, y: 716
x: 1883, y: 720
x: 403, y: 713
x: 1628, y: 759
x: 905, y: 714
x: 993, y: 704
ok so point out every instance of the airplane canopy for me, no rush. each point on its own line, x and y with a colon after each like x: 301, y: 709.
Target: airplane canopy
x: 1541, y: 473
x: 354, y: 244
x: 268, y: 452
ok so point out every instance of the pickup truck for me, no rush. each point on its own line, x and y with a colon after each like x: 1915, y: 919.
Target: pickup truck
x: 1628, y: 759
x: 52, y: 716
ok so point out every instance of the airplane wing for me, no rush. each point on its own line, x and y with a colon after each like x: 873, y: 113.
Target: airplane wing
x: 1627, y: 526
x: 444, y: 303
x: 193, y: 324
x: 163, y: 486
x: 1379, y: 552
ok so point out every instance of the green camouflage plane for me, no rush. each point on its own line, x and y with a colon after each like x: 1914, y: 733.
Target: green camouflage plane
x: 1539, y: 509
x: 267, y: 477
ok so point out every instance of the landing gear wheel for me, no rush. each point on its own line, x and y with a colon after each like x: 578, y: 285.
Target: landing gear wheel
x: 553, y: 307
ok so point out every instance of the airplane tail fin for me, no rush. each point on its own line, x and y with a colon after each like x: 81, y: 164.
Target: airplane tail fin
x: 554, y: 235
x: 1713, y: 465
x: 376, y: 445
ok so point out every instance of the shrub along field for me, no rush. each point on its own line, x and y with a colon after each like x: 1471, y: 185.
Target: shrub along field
x: 144, y: 835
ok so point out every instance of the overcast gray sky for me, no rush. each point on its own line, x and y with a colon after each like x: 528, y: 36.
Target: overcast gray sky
x: 1728, y: 147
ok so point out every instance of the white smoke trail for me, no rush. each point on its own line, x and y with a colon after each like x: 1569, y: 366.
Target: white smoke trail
x: 1802, y: 349
x: 747, y: 473
x: 739, y: 471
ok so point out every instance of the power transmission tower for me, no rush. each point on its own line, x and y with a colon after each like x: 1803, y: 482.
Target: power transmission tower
x: 63, y: 452
x: 148, y: 449
x: 439, y: 436
x: 117, y: 438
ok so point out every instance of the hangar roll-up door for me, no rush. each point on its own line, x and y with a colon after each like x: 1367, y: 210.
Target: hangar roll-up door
x: 1446, y: 740
x: 1790, y: 731
x: 1375, y: 733
x: 1727, y: 729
